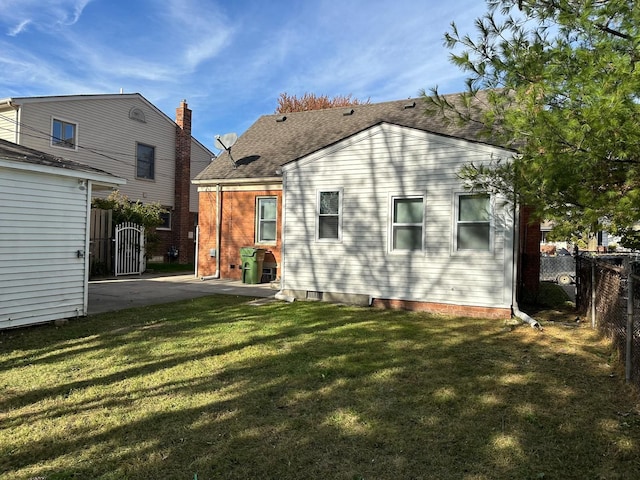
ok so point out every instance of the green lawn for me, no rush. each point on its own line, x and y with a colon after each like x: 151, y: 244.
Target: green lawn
x: 227, y: 390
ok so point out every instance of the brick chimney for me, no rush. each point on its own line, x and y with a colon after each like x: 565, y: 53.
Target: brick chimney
x: 182, y: 223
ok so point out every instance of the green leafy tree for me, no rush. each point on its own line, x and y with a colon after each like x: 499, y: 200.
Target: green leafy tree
x: 125, y: 210
x: 559, y: 81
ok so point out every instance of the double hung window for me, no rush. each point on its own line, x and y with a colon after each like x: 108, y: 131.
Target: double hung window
x: 407, y: 224
x: 266, y: 213
x: 329, y: 213
x: 473, y: 222
x: 145, y: 161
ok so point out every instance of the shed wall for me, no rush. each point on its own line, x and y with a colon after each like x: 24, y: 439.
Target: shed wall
x: 42, y: 226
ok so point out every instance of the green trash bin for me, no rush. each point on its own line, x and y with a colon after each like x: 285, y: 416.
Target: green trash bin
x: 251, y: 260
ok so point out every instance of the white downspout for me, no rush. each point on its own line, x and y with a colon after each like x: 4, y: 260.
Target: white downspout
x: 87, y: 247
x: 280, y: 295
x: 516, y: 256
x: 216, y: 275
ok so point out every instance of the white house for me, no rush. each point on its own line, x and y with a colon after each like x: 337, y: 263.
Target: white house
x: 381, y: 217
x: 44, y: 234
x: 364, y: 204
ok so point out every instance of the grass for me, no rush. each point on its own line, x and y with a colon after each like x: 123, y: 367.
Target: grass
x: 221, y: 389
x: 169, y: 267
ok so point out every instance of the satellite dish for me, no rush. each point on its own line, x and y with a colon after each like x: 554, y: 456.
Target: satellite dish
x: 225, y: 142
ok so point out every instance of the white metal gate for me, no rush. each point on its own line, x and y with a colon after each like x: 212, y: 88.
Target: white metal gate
x: 130, y: 257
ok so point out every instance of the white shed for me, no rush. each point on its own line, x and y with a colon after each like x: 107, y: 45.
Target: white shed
x: 44, y: 235
x: 382, y: 217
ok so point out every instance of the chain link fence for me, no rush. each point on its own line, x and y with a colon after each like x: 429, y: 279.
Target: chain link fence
x: 560, y: 269
x: 608, y: 295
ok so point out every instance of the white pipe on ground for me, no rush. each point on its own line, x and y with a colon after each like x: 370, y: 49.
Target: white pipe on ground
x: 280, y: 295
x: 526, y: 318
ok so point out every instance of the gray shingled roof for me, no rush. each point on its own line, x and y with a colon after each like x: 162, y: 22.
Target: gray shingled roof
x: 270, y: 142
x: 18, y: 153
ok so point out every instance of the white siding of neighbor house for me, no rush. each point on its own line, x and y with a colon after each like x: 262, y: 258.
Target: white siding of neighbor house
x: 107, y: 140
x: 371, y: 167
x: 42, y: 226
x: 8, y: 122
x: 200, y: 158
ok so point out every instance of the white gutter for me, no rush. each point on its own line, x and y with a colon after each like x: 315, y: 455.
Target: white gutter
x: 216, y: 275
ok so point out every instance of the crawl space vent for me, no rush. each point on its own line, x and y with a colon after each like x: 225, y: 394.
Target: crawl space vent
x: 311, y: 295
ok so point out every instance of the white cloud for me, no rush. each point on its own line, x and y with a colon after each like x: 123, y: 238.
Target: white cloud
x: 201, y: 30
x: 18, y: 28
x: 15, y: 15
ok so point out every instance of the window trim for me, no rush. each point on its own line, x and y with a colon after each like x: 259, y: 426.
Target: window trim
x: 168, y: 212
x: 152, y: 179
x: 320, y: 191
x: 490, y: 222
x: 60, y: 144
x: 259, y: 221
x: 392, y: 224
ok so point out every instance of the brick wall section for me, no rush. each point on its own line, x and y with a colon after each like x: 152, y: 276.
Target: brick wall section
x: 444, y: 309
x: 529, y: 258
x: 182, y: 222
x: 237, y: 230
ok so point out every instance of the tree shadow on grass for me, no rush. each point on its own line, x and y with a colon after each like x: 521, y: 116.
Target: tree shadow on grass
x: 320, y: 391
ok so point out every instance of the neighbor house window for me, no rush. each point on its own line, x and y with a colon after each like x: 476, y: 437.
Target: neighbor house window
x: 145, y: 161
x: 165, y: 217
x: 473, y: 222
x: 407, y: 223
x: 63, y: 134
x: 266, y: 219
x: 329, y: 212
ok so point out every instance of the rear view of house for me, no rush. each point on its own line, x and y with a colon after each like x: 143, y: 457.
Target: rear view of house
x: 381, y: 218
x: 364, y: 205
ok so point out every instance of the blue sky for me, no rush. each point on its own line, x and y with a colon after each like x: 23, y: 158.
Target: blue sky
x: 230, y: 59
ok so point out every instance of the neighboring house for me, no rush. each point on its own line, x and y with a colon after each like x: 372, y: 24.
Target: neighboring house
x: 126, y: 135
x: 44, y: 234
x: 364, y: 205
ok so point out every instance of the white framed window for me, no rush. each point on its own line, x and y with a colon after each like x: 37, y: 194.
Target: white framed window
x: 166, y: 220
x: 266, y: 218
x: 329, y: 214
x: 64, y: 134
x: 472, y: 222
x: 145, y: 161
x: 407, y: 223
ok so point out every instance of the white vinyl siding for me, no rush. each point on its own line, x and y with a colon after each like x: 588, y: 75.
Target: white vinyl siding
x: 42, y: 226
x: 8, y: 125
x: 382, y: 162
x: 200, y: 158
